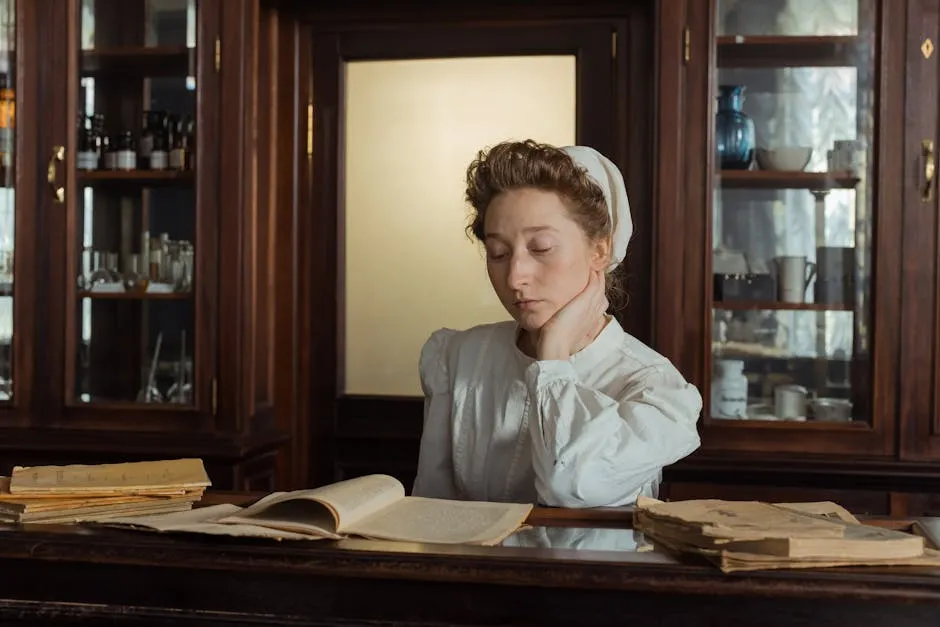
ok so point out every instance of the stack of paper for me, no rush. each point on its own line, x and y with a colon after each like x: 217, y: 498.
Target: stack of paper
x: 751, y: 535
x: 64, y: 494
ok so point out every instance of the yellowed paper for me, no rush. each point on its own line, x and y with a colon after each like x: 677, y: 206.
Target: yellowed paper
x: 172, y: 475
x: 204, y: 520
x: 416, y: 519
x: 372, y: 506
x: 740, y: 520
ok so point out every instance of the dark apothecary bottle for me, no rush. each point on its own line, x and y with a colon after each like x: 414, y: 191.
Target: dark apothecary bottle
x: 182, y: 148
x: 125, y: 154
x: 89, y: 144
x: 154, y: 126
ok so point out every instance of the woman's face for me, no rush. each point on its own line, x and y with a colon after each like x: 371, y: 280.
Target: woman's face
x: 537, y: 257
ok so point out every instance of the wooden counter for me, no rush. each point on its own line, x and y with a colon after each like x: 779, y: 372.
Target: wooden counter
x: 94, y: 576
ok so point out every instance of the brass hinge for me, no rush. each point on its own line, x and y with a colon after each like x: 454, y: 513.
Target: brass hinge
x: 613, y: 45
x: 218, y: 54
x: 309, y: 129
x: 215, y: 396
x: 686, y: 45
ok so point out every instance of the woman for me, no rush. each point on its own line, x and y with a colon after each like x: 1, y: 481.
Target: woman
x: 560, y: 406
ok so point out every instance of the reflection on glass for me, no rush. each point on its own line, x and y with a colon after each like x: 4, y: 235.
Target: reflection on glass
x: 134, y: 244
x: 170, y: 23
x: 578, y: 538
x: 791, y: 229
x: 412, y: 128
x: 7, y: 192
x: 787, y: 17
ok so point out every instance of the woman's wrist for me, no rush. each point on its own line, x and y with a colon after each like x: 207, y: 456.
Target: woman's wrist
x: 551, y: 353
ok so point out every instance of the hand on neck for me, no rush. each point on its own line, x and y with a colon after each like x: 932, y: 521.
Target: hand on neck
x: 530, y: 345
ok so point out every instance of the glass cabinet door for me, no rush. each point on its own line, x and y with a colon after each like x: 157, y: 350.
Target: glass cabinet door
x: 792, y: 215
x: 8, y: 75
x: 133, y: 224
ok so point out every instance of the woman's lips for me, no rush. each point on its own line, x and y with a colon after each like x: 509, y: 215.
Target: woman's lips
x: 527, y: 304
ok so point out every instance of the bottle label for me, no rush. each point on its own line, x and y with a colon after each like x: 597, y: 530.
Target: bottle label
x: 158, y: 160
x: 125, y: 160
x: 146, y: 145
x: 6, y: 140
x: 86, y: 160
x: 177, y: 159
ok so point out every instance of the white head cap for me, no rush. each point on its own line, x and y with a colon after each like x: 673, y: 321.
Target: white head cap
x: 608, y: 177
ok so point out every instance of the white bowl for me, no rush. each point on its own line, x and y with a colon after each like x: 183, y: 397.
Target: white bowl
x: 784, y: 159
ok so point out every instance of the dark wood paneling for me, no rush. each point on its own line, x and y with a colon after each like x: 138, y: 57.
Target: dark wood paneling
x: 920, y: 282
x: 107, y: 576
x: 238, y: 196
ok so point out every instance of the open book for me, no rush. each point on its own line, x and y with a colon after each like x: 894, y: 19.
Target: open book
x: 374, y: 506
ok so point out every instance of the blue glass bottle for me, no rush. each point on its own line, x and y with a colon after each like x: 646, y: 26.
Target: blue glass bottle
x: 734, y: 130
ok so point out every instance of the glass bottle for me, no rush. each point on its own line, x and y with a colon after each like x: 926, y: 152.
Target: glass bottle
x: 109, y: 152
x: 190, y: 133
x: 177, y: 159
x: 145, y: 146
x: 734, y: 133
x: 86, y: 157
x: 160, y: 153
x: 7, y: 119
x: 125, y: 157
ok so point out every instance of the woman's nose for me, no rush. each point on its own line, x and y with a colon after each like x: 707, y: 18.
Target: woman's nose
x: 520, y: 271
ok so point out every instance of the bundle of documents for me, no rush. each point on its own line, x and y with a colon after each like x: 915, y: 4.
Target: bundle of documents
x: 373, y: 506
x: 66, y: 494
x: 751, y: 535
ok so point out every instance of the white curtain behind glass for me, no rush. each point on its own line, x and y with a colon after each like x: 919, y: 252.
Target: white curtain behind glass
x: 805, y: 106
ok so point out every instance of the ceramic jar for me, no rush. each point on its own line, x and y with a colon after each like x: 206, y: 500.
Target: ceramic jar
x: 729, y: 390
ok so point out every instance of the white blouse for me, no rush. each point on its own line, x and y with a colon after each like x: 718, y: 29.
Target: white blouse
x: 592, y: 431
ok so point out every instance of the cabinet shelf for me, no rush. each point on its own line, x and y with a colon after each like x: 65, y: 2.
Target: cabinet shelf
x: 742, y: 51
x: 771, y: 305
x: 135, y: 177
x: 139, y: 61
x: 813, y: 425
x: 135, y: 295
x: 766, y: 179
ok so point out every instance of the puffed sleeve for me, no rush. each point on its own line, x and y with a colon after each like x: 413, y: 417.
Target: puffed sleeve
x: 592, y: 450
x: 435, y: 460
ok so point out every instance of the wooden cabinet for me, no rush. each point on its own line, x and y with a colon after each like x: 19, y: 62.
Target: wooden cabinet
x: 819, y: 282
x: 829, y: 266
x: 919, y: 375
x: 146, y: 264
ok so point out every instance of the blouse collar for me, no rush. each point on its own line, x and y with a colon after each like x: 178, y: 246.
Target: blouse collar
x: 609, y: 339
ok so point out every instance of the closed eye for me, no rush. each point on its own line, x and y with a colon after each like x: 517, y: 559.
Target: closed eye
x: 541, y: 251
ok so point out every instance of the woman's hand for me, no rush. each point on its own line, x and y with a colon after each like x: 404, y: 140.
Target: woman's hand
x: 574, y: 325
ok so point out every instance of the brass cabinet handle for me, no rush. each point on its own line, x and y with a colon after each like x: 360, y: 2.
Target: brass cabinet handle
x: 58, y: 155
x: 930, y: 169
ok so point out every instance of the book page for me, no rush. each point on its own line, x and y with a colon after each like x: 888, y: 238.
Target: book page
x: 204, y: 520
x: 355, y: 499
x: 417, y: 519
x: 300, y: 511
x: 324, y: 510
x: 739, y: 520
x: 175, y: 474
x: 823, y: 509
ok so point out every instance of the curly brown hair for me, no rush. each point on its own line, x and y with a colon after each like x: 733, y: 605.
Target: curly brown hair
x: 515, y: 164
